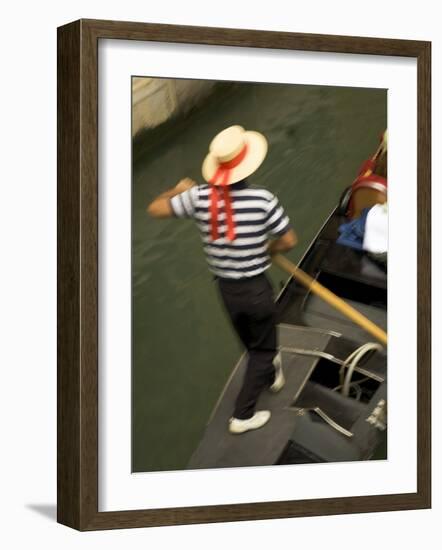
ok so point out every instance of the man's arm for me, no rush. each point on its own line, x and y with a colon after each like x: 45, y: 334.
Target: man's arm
x: 281, y: 236
x: 161, y: 207
x: 284, y: 243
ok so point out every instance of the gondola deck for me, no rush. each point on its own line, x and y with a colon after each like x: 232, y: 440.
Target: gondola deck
x: 219, y: 448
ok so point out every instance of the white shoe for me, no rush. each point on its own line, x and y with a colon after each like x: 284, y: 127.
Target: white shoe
x: 238, y: 426
x: 279, y: 382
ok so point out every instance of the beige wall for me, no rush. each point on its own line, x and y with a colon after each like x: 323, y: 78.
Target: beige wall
x: 154, y: 100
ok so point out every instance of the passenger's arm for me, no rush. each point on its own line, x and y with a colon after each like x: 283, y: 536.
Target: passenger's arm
x: 161, y: 207
x: 284, y: 243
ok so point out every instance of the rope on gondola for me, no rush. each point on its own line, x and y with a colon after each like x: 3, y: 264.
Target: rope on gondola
x: 352, y: 362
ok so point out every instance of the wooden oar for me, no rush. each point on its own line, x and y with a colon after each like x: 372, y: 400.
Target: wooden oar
x: 382, y: 145
x: 331, y: 298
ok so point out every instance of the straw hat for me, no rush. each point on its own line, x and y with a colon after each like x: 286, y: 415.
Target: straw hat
x: 234, y: 154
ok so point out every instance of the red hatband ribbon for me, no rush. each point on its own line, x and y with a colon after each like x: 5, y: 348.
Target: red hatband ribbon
x: 221, y: 179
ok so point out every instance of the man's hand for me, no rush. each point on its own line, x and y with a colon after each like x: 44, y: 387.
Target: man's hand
x: 160, y: 207
x: 184, y: 185
x: 284, y: 243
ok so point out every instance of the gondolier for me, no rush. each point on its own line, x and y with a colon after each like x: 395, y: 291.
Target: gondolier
x: 241, y: 227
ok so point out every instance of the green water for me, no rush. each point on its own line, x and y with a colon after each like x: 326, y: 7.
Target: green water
x: 183, y: 346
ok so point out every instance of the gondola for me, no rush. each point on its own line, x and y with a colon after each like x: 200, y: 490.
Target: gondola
x: 333, y: 406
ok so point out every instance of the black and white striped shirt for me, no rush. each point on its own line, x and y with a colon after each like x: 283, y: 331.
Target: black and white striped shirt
x: 258, y: 217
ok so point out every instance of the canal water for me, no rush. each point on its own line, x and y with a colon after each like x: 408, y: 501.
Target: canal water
x: 183, y: 346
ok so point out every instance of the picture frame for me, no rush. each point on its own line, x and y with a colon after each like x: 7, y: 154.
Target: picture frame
x: 78, y: 292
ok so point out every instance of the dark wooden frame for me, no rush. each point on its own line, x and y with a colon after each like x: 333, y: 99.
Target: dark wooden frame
x: 77, y: 459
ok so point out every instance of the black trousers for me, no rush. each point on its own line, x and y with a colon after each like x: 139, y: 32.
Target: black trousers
x: 251, y: 308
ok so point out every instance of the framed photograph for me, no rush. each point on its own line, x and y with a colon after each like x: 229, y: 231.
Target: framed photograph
x: 243, y: 263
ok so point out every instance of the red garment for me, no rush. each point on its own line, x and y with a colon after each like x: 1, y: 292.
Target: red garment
x: 221, y: 179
